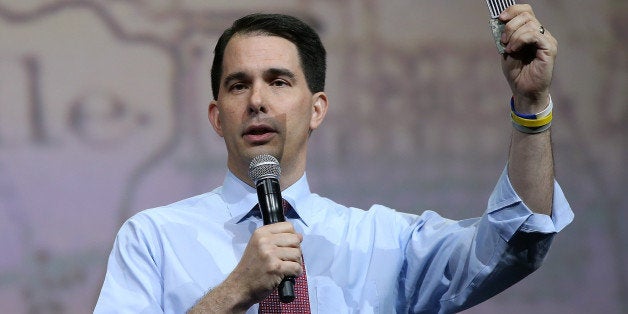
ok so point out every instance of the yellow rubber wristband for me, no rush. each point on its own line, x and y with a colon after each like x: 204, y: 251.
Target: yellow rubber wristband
x: 531, y: 123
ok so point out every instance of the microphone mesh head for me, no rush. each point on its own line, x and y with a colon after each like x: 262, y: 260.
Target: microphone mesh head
x: 264, y: 166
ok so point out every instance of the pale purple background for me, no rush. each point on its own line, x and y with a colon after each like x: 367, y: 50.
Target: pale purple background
x: 103, y: 113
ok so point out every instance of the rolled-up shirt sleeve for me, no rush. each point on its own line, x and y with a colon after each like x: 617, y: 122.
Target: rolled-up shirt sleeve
x: 509, y: 214
x: 453, y: 265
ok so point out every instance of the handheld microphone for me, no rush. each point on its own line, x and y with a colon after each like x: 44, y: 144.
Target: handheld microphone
x: 264, y: 170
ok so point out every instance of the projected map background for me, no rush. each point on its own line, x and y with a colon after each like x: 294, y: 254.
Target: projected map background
x: 103, y: 113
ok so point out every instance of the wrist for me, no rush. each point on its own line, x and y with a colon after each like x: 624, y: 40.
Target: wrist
x: 548, y: 106
x: 222, y: 299
x: 530, y: 104
x: 532, y: 123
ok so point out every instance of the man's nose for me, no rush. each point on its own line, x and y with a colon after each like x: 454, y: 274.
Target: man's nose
x: 257, y: 101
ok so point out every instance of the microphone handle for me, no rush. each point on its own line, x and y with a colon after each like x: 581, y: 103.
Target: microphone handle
x: 270, y: 204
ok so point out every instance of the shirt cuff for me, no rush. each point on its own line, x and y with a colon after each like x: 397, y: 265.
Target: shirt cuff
x: 509, y: 214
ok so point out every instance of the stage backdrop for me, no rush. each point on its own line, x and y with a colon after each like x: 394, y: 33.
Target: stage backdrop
x: 103, y: 113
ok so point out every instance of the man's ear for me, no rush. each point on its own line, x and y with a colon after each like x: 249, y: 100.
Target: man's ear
x: 214, y: 117
x: 319, y: 109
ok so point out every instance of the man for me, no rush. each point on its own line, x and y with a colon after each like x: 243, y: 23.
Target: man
x: 211, y: 254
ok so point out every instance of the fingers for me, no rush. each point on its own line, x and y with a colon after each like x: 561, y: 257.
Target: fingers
x: 278, y: 249
x: 283, y: 233
x: 523, y: 29
x: 282, y: 262
x: 272, y: 253
x: 514, y: 10
x: 516, y: 22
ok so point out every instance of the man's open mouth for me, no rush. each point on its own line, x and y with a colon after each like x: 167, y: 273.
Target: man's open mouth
x: 259, y: 133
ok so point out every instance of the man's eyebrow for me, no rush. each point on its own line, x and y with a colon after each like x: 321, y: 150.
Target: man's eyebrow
x: 275, y: 72
x: 268, y: 74
x: 236, y: 76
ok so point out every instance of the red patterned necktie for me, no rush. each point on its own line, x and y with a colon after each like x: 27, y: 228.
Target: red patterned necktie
x: 301, y: 302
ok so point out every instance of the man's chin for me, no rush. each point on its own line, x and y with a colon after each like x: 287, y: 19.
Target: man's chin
x: 264, y: 150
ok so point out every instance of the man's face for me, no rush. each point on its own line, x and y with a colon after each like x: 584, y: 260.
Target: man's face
x: 264, y: 105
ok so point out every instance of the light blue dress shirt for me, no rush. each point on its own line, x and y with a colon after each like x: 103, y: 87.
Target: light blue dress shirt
x: 377, y: 261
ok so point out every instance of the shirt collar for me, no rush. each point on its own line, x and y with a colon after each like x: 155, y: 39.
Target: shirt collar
x: 241, y: 197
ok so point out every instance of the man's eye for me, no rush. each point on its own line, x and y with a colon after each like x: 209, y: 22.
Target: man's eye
x: 237, y: 87
x: 279, y: 83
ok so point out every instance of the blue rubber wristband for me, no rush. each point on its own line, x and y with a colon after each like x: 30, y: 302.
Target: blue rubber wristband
x: 520, y: 115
